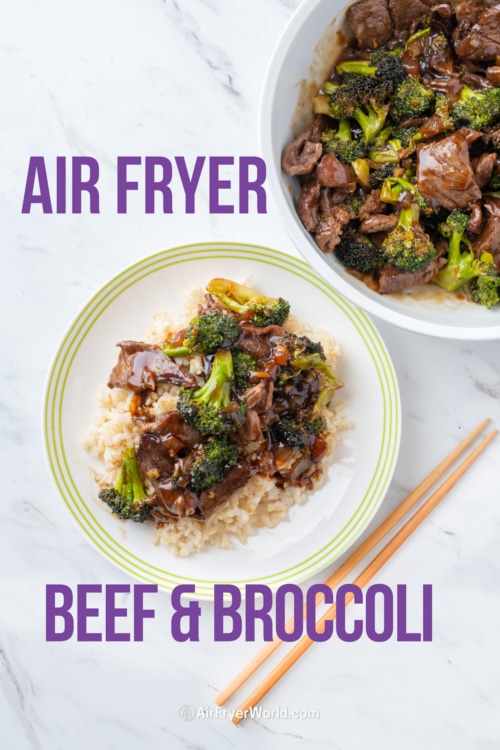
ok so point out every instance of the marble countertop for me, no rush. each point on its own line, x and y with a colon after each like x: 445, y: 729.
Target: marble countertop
x: 183, y: 77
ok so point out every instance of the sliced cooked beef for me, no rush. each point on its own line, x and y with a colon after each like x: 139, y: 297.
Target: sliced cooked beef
x: 470, y: 135
x: 259, y: 347
x: 154, y: 459
x: 370, y: 22
x: 331, y: 226
x: 333, y: 173
x: 392, y: 279
x: 450, y: 87
x: 175, y: 433
x: 492, y: 206
x: 378, y: 223
x: 260, y: 397
x: 303, y: 153
x: 372, y: 205
x: 492, y: 138
x: 489, y: 240
x: 444, y: 173
x: 483, y: 167
x: 249, y: 437
x: 476, y: 218
x: 493, y: 75
x: 274, y: 331
x: 141, y: 367
x: 307, y: 205
x: 479, y: 38
x: 258, y: 341
x: 290, y: 462
x: 475, y: 81
x: 214, y: 497
x: 403, y: 13
x: 170, y: 503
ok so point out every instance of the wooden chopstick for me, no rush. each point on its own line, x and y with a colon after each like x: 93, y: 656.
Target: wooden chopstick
x: 357, y: 556
x: 367, y: 574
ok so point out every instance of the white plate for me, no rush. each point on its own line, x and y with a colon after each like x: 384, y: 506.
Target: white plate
x: 302, y: 60
x: 317, y: 532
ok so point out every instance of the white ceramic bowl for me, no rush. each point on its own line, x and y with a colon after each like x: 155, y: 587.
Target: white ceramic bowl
x: 302, y: 60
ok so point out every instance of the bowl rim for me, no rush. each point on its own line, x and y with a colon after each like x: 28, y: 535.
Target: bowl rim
x: 354, y: 295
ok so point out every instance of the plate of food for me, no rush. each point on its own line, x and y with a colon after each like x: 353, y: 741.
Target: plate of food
x: 217, y: 413
x: 380, y: 126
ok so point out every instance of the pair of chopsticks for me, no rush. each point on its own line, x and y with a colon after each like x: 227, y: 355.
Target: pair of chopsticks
x: 367, y: 574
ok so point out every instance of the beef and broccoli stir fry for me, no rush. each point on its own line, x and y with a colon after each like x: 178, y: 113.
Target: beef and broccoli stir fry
x: 400, y: 168
x: 250, y: 400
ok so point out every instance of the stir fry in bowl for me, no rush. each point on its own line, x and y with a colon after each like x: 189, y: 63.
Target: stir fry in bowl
x: 400, y: 167
x: 215, y: 429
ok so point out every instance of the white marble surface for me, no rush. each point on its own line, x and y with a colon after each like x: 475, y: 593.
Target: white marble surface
x: 183, y: 77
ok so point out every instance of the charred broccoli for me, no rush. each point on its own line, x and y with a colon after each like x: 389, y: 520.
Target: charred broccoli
x: 206, y: 333
x: 339, y: 101
x: 207, y: 408
x: 243, y: 365
x: 299, y: 345
x: 477, y: 109
x: 411, y: 99
x: 128, y: 499
x: 380, y: 175
x: 296, y: 429
x: 357, y: 251
x: 381, y: 74
x: 405, y: 136
x: 408, y: 247
x: 255, y: 307
x: 341, y: 144
x: 316, y: 362
x: 212, y: 461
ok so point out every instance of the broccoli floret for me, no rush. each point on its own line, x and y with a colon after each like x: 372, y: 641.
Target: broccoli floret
x: 459, y: 266
x: 339, y: 100
x: 290, y: 431
x: 316, y: 362
x: 212, y: 462
x: 255, y: 307
x: 243, y: 365
x: 484, y: 290
x: 408, y: 247
x: 477, y: 109
x: 296, y: 429
x: 343, y: 100
x: 371, y: 118
x: 341, y: 144
x: 357, y: 251
x: 206, y: 408
x: 380, y: 175
x: 406, y: 135
x: 206, y: 333
x: 299, y: 345
x: 411, y: 99
x: 128, y: 499
x: 381, y: 74
x: 463, y: 266
x: 443, y: 110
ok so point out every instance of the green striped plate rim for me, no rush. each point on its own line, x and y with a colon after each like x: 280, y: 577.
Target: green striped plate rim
x: 59, y: 373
